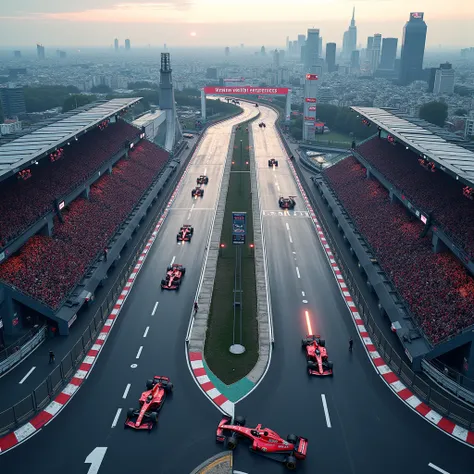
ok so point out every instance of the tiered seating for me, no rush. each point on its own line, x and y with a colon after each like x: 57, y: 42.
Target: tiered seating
x: 436, y: 192
x: 436, y: 286
x: 23, y: 202
x: 48, y: 268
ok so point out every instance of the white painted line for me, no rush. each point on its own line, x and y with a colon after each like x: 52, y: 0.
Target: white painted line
x: 146, y: 331
x: 139, y: 352
x: 287, y: 226
x: 154, y: 308
x: 117, y: 415
x: 436, y: 468
x: 326, y: 411
x: 303, y: 293
x: 27, y: 375
x: 205, y: 171
x: 173, y: 259
x: 298, y: 272
x: 291, y: 240
x: 125, y: 393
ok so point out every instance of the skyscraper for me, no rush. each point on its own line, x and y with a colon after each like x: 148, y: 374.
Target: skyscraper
x: 127, y: 44
x: 413, y: 49
x: 116, y: 45
x: 331, y: 56
x: 17, y: 54
x: 227, y: 51
x: 355, y: 60
x: 40, y: 51
x: 276, y: 59
x: 444, y: 79
x: 311, y: 50
x: 349, y: 42
x: 376, y: 46
x: 301, y: 42
x: 13, y: 101
x: 320, y: 47
x: 389, y: 53
x: 288, y: 44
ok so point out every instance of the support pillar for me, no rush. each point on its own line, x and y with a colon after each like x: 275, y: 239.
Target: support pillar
x: 288, y: 106
x: 203, y: 105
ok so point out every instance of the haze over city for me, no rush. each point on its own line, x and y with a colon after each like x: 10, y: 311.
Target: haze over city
x: 188, y: 23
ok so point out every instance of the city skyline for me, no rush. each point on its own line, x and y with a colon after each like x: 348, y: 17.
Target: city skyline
x: 190, y: 23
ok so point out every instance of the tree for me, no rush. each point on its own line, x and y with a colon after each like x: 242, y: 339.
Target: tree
x: 101, y: 89
x: 41, y: 98
x: 460, y: 112
x: 434, y: 112
x: 142, y: 85
x: 77, y: 100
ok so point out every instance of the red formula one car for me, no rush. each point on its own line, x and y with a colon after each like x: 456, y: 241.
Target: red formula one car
x: 151, y: 402
x: 273, y: 162
x: 287, y: 203
x: 263, y: 441
x: 185, y: 234
x: 174, y: 275
x: 197, y: 191
x: 316, y: 355
x: 202, y: 179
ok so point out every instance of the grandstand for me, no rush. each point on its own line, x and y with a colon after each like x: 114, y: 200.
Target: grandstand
x: 69, y: 190
x: 417, y: 220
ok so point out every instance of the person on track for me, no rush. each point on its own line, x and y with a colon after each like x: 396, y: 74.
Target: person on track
x: 351, y: 343
x: 51, y: 357
x: 196, y: 307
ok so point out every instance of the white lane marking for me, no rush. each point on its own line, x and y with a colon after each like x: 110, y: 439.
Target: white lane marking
x: 291, y: 240
x: 287, y: 226
x: 154, y: 308
x: 173, y: 259
x: 298, y: 272
x: 27, y: 375
x: 302, y: 293
x: 125, y: 393
x: 146, y: 331
x: 294, y: 253
x: 95, y: 459
x: 205, y: 171
x: 305, y: 301
x: 326, y: 411
x: 190, y: 212
x: 139, y: 352
x: 134, y: 366
x: 117, y: 415
x: 436, y: 468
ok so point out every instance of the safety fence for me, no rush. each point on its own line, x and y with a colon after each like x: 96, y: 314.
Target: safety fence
x: 446, y: 406
x: 59, y: 377
x: 12, y: 354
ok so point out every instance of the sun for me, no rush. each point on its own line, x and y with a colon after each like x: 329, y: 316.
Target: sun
x: 193, y: 33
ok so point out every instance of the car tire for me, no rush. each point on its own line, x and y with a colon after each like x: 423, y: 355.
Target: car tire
x: 130, y: 412
x: 154, y: 417
x: 290, y: 463
x: 169, y: 268
x: 322, y: 342
x: 168, y: 387
x: 330, y: 365
x: 291, y: 438
x: 311, y: 364
x: 149, y: 384
x: 183, y: 271
x: 231, y: 442
x: 239, y: 421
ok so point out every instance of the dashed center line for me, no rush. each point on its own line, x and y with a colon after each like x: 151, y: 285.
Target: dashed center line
x: 287, y: 226
x: 298, y: 272
x: 125, y: 393
x: 117, y: 416
x: 173, y: 259
x: 436, y: 468
x: 27, y: 375
x: 146, y: 331
x: 291, y: 240
x: 326, y: 411
x: 303, y: 293
x: 139, y: 352
x: 154, y: 308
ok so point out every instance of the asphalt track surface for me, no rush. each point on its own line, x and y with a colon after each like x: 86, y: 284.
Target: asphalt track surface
x: 371, y: 430
x: 185, y: 435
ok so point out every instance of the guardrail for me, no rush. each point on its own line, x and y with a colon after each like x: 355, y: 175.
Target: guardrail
x: 460, y: 414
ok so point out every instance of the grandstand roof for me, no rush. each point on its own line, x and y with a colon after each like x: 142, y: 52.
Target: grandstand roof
x: 456, y: 160
x: 33, y: 144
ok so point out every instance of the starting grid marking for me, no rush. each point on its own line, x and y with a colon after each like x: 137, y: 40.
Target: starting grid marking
x: 300, y: 214
x: 11, y: 440
x: 392, y: 379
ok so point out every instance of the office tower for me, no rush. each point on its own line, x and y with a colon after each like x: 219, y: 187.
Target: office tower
x: 444, y: 79
x: 349, y: 42
x: 17, y: 54
x: 127, y: 44
x: 227, y: 51
x: 345, y: 48
x: 303, y: 54
x: 262, y: 51
x: 355, y: 60
x: 311, y: 50
x: 301, y: 42
x: 276, y: 59
x: 320, y: 47
x: 389, y: 53
x: 116, y: 45
x: 164, y: 47
x: 288, y: 43
x: 13, y: 101
x: 40, y: 51
x: 375, y: 59
x: 413, y: 49
x: 282, y: 56
x: 331, y: 56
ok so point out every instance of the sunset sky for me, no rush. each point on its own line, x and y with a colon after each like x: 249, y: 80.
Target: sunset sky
x: 224, y: 22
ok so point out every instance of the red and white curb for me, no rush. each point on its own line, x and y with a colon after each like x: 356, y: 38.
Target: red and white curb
x: 199, y: 372
x: 20, y: 435
x: 390, y: 377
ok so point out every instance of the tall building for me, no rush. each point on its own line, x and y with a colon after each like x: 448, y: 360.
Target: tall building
x: 350, y: 38
x: 116, y: 45
x: 282, y: 56
x: 17, y: 54
x: 376, y: 46
x: 301, y: 42
x: 288, y: 44
x: 13, y: 101
x: 311, y: 50
x: 389, y: 53
x: 320, y: 47
x: 413, y: 49
x: 127, y: 44
x: 355, y: 61
x: 40, y: 51
x: 444, y: 79
x: 276, y: 59
x: 262, y: 51
x: 227, y: 51
x: 331, y: 56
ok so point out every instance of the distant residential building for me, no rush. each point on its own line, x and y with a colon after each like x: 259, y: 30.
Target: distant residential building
x: 127, y: 44
x: 40, y: 51
x: 469, y: 127
x: 13, y: 101
x: 301, y: 42
x: 211, y: 73
x: 467, y: 53
x: 61, y: 54
x: 444, y: 79
x: 17, y: 54
x: 262, y: 51
x: 227, y: 51
x: 355, y: 60
x: 276, y: 59
x: 9, y: 127
x: 331, y: 56
x: 116, y: 45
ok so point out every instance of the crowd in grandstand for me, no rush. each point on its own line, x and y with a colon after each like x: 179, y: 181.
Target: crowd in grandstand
x: 450, y: 208
x: 23, y: 202
x: 48, y: 268
x: 436, y: 286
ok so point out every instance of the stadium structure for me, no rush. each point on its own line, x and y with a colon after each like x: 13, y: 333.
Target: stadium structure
x: 404, y: 201
x: 73, y: 191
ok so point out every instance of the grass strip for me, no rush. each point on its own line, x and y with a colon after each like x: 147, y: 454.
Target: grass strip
x: 230, y: 368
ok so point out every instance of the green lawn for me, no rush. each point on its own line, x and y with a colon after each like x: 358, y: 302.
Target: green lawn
x: 228, y: 367
x: 334, y: 137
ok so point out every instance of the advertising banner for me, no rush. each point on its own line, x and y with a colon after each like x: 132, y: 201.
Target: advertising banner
x: 238, y: 79
x: 239, y: 227
x: 312, y: 108
x: 310, y: 119
x: 246, y: 90
x: 310, y: 99
x: 312, y: 77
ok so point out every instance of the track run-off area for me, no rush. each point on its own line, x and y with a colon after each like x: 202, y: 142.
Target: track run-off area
x: 354, y: 422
